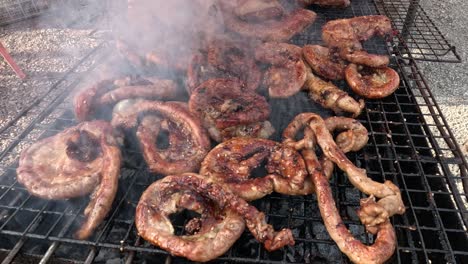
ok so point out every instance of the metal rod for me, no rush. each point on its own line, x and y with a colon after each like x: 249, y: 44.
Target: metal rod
x: 12, y: 254
x: 50, y: 251
x: 62, y: 232
x: 409, y: 19
x: 91, y: 256
x: 11, y: 62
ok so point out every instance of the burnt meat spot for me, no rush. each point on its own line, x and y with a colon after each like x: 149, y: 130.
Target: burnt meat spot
x: 83, y: 146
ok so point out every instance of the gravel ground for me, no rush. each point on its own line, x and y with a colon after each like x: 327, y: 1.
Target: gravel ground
x: 449, y: 82
x: 44, y: 55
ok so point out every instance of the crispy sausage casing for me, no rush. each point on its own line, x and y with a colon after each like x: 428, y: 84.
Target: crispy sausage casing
x: 188, y: 140
x: 287, y: 72
x: 231, y: 163
x: 281, y: 29
x: 217, y: 228
x: 220, y: 225
x: 331, y: 97
x: 228, y: 109
x: 77, y: 161
x: 90, y: 101
x: 224, y: 58
x: 346, y: 35
x: 372, y: 83
x: 316, y: 132
x: 324, y: 62
x: 327, y: 3
x: 385, y: 243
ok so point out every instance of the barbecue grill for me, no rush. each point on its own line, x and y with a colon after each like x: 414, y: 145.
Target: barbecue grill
x: 409, y: 144
x: 18, y: 10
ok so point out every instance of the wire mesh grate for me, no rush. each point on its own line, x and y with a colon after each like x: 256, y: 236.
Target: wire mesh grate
x: 15, y: 10
x: 421, y: 38
x: 410, y: 144
x: 12, y: 11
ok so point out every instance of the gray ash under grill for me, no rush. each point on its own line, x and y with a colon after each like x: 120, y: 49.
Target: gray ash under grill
x: 406, y: 146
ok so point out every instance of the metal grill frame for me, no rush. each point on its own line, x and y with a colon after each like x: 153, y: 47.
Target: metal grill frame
x: 418, y: 38
x: 17, y: 10
x: 410, y: 144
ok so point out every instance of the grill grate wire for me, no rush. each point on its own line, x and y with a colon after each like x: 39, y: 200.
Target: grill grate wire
x: 410, y: 144
x: 421, y: 38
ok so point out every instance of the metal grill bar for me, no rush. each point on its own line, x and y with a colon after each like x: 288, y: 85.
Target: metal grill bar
x: 420, y: 37
x: 410, y: 144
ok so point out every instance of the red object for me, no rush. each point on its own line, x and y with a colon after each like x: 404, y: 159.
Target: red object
x: 11, y: 62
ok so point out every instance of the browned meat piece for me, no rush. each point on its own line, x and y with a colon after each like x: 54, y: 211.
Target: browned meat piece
x: 331, y: 97
x: 384, y: 244
x: 277, y: 53
x: 388, y: 193
x: 258, y: 10
x: 280, y: 29
x: 104, y: 94
x: 231, y: 164
x: 218, y: 227
x: 316, y: 132
x: 224, y: 58
x: 327, y: 3
x: 227, y: 109
x: 287, y: 73
x: 129, y: 53
x: 346, y: 35
x: 352, y: 136
x: 80, y: 160
x: 363, y: 58
x: 372, y: 83
x: 324, y: 62
x: 188, y: 142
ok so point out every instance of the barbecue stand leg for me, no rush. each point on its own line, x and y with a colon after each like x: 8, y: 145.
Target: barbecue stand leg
x: 11, y: 62
x: 410, y: 18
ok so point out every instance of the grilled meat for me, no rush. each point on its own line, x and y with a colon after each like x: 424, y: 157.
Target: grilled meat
x: 208, y: 236
x: 331, y: 97
x: 279, y: 29
x: 327, y: 3
x: 218, y: 227
x: 224, y: 58
x: 346, y: 35
x: 372, y: 83
x: 287, y: 73
x: 385, y: 243
x: 352, y: 136
x: 80, y: 160
x: 388, y: 193
x: 258, y: 10
x: 324, y: 62
x: 231, y: 164
x: 188, y: 141
x: 316, y: 132
x: 227, y: 109
x: 99, y: 98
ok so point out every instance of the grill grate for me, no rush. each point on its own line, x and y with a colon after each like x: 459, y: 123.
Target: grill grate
x: 15, y: 10
x: 420, y: 36
x: 410, y: 144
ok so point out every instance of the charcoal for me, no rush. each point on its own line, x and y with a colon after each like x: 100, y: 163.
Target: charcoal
x: 320, y: 232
